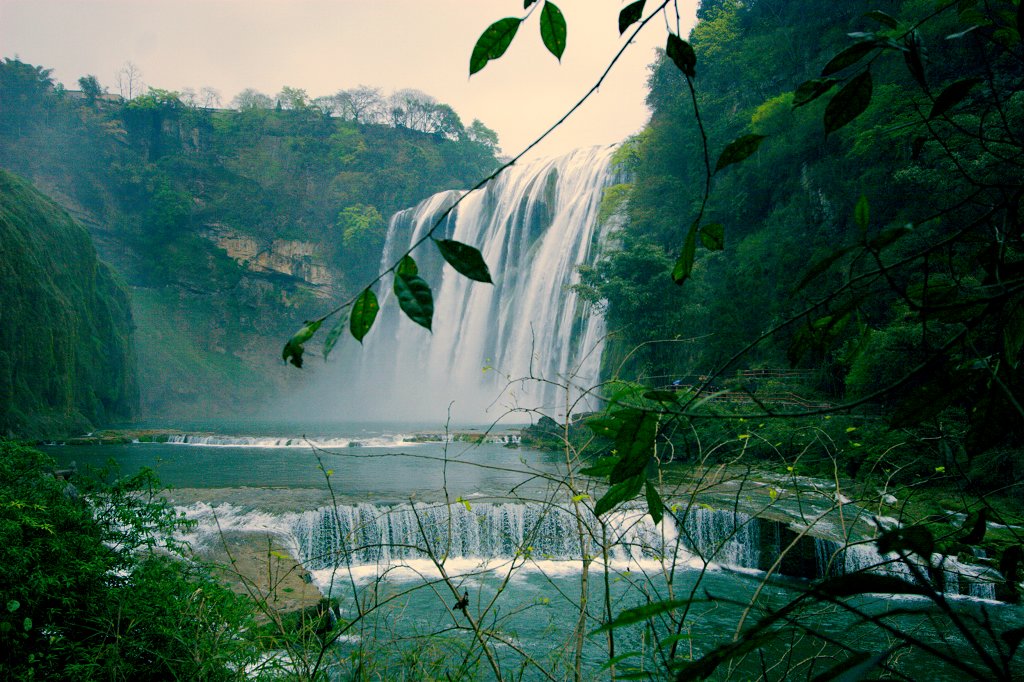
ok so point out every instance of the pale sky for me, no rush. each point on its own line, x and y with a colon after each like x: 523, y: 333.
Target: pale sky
x: 324, y: 46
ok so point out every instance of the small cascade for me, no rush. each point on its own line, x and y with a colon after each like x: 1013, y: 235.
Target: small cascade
x: 535, y: 224
x: 297, y: 442
x: 378, y: 537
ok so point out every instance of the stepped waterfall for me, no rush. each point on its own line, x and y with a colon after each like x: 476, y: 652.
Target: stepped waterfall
x: 373, y: 539
x: 513, y: 345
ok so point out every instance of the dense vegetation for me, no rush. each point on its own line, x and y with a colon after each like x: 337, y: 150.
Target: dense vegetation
x: 870, y: 241
x: 66, y: 356
x: 89, y: 591
x: 230, y: 224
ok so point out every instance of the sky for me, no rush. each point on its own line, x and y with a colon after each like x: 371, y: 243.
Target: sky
x: 324, y: 46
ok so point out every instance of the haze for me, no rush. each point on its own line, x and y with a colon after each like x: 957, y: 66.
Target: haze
x: 324, y: 46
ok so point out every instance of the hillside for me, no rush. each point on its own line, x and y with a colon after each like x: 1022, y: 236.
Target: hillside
x: 66, y: 357
x: 230, y: 226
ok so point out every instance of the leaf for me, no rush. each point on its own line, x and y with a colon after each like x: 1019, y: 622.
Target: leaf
x: 527, y: 3
x: 866, y: 583
x: 580, y: 497
x: 1013, y: 638
x: 493, y: 42
x: 634, y: 442
x: 853, y: 669
x: 630, y: 14
x: 407, y: 266
x: 705, y: 666
x: 13, y: 605
x: 682, y: 54
x: 414, y: 298
x: 553, y: 29
x: 952, y: 94
x: 849, y: 103
x: 975, y: 526
x: 882, y: 18
x: 655, y: 507
x: 912, y: 56
x: 465, y: 503
x: 862, y: 213
x: 823, y: 266
x: 618, y: 493
x: 808, y: 91
x: 293, y: 349
x: 684, y: 264
x: 364, y: 312
x: 712, y: 236
x: 466, y: 260
x: 848, y: 57
x: 662, y: 396
x: 916, y: 539
x: 639, y: 614
x: 738, y: 150
x: 602, y: 467
x: 333, y: 336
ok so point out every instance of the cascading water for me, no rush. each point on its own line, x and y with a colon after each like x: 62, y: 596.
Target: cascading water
x: 534, y: 224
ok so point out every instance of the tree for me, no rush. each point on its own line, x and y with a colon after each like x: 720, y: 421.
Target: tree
x: 249, y: 99
x: 129, y: 81
x: 91, y: 88
x: 292, y: 99
x: 363, y: 104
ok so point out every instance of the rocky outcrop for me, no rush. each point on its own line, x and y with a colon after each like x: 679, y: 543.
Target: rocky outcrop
x: 298, y: 260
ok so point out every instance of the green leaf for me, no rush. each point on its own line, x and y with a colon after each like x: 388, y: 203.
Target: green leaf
x: 705, y: 666
x: 953, y: 94
x: 26, y: 624
x: 882, y: 18
x: 553, y: 29
x: 917, y: 539
x: 630, y: 14
x: 712, y: 236
x: 493, y: 42
x: 849, y: 103
x: 333, y: 336
x: 681, y: 53
x: 854, y: 668
x: 867, y: 583
x: 364, y: 312
x: 634, y: 442
x: 848, y: 57
x: 808, y: 91
x: 912, y: 56
x: 527, y: 3
x: 975, y: 526
x: 407, y: 266
x: 13, y: 605
x: 465, y: 259
x: 602, y: 467
x: 738, y: 150
x: 862, y: 213
x: 293, y: 349
x: 618, y: 493
x: 684, y: 264
x: 822, y: 266
x: 414, y: 298
x: 655, y: 507
x: 639, y: 614
x: 662, y: 396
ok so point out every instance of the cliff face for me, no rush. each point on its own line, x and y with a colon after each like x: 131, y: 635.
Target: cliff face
x: 66, y: 358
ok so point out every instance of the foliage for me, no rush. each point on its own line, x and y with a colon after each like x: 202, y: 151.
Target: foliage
x: 66, y: 357
x: 88, y: 593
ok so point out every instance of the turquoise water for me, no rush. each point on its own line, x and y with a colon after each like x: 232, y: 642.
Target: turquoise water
x: 521, y: 568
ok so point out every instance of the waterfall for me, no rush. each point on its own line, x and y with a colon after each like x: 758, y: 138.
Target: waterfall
x: 372, y: 539
x: 535, y: 224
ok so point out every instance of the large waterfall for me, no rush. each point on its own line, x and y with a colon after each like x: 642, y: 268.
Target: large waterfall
x: 534, y: 224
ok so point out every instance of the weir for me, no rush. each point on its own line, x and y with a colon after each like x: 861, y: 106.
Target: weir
x: 493, y: 348
x: 381, y: 537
